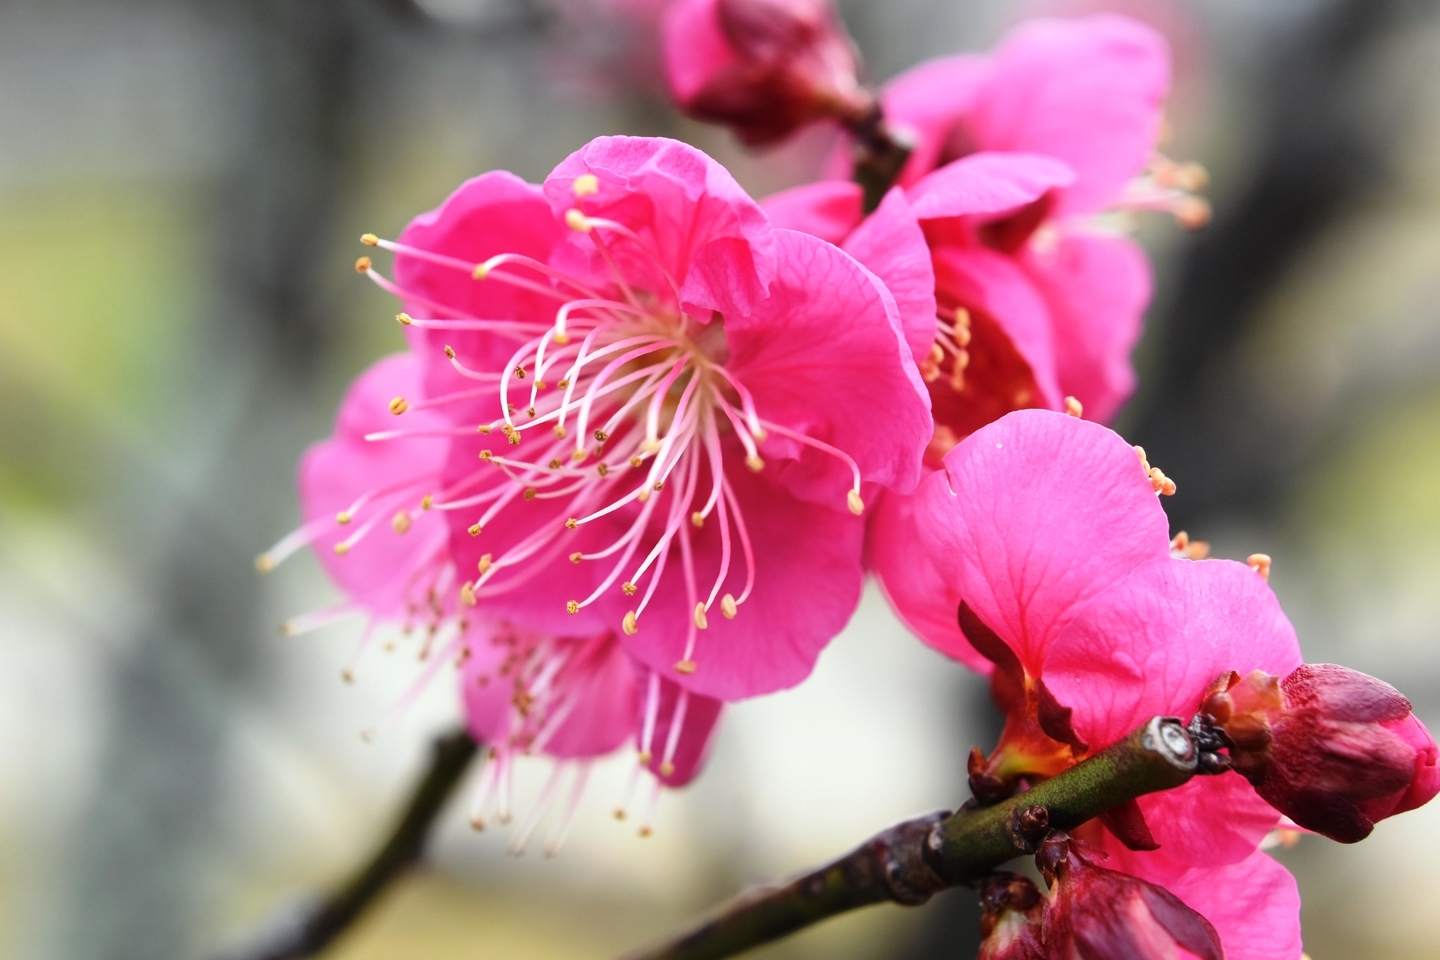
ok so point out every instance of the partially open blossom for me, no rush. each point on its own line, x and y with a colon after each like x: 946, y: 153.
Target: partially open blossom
x: 1092, y: 912
x: 1010, y: 918
x: 762, y: 67
x: 676, y: 403
x: 1329, y: 747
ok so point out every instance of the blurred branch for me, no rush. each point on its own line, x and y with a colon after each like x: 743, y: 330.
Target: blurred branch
x: 880, y: 155
x: 323, y: 921
x: 910, y: 862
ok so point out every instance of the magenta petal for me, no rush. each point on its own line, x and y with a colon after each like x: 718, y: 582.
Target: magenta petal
x: 335, y: 473
x: 1038, y: 512
x: 892, y: 246
x: 988, y: 184
x: 1089, y: 91
x: 1254, y: 905
x: 492, y: 214
x: 991, y: 283
x: 923, y: 596
x: 828, y: 209
x: 1210, y: 820
x: 928, y: 102
x: 825, y: 356
x: 690, y: 215
x: 694, y: 46
x: 1097, y: 289
x: 692, y: 745
x: 807, y: 583
x: 1155, y: 640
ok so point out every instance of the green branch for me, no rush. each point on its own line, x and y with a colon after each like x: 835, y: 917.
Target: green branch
x: 909, y: 862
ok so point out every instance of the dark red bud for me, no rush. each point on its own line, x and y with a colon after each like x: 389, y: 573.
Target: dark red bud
x: 764, y: 67
x: 1331, y: 748
x: 1095, y: 912
x: 1010, y: 918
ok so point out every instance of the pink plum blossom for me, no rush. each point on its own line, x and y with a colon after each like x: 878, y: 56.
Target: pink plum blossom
x: 762, y: 67
x: 677, y: 406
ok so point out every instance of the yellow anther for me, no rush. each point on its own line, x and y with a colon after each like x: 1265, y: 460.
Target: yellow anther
x: 619, y: 814
x: 700, y: 621
x: 563, y: 384
x: 486, y: 456
x: 556, y: 463
x: 449, y: 352
x: 645, y: 757
x: 628, y: 588
x: 576, y: 220
x: 483, y: 428
x: 531, y: 493
x: 287, y: 629
x: 401, y: 522
x: 659, y: 485
x: 362, y: 265
x: 636, y: 460
x: 601, y: 436
x: 578, y: 455
x: 1260, y: 563
x: 686, y: 666
x: 560, y: 432
x: 485, y: 562
x: 426, y: 502
x: 519, y: 373
x: 572, y: 606
x: 667, y: 768
x: 530, y: 411
x: 1144, y: 460
x: 342, y: 548
x: 754, y: 463
x: 561, y: 337
x: 403, y: 319
x: 369, y: 239
x: 697, y: 518
x: 602, y: 468
x: 467, y: 594
x: 1193, y: 212
x: 645, y: 832
x: 572, y: 523
x: 852, y: 499
x: 347, y: 675
x: 264, y: 563
x: 962, y: 318
x: 650, y: 445
x: 630, y: 625
x: 481, y: 271
x: 399, y: 405
x: 728, y: 607
x: 343, y: 517
x: 539, y: 385
x: 576, y: 557
x: 962, y: 335
x: 477, y: 823
x: 585, y: 185
x: 643, y: 495
x: 1074, y: 407
x: 474, y: 530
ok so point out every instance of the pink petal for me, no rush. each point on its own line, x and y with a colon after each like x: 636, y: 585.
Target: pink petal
x: 1210, y: 821
x: 1097, y: 289
x: 694, y: 45
x: 1153, y: 641
x: 1426, y: 784
x: 891, y: 245
x: 990, y: 283
x: 925, y: 598
x: 335, y: 472
x: 807, y: 583
x: 828, y: 209
x: 702, y: 714
x: 988, y: 184
x: 1254, y: 905
x: 1089, y: 91
x: 1039, y: 512
x: 825, y: 356
x: 928, y: 102
x: 694, y: 221
x: 494, y: 213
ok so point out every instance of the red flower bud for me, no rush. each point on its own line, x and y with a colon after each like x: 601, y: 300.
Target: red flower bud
x: 1010, y: 921
x: 761, y: 67
x: 1094, y: 912
x: 1331, y: 748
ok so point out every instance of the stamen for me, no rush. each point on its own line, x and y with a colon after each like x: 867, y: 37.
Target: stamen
x: 567, y: 820
x: 622, y: 809
x: 537, y: 812
x: 647, y: 823
x: 1260, y: 563
x: 672, y: 740
x: 315, y: 619
x: 489, y: 776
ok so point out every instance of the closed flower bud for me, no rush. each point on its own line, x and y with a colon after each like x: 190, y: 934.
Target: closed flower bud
x: 1010, y: 922
x: 1333, y: 749
x: 1094, y: 912
x: 762, y: 67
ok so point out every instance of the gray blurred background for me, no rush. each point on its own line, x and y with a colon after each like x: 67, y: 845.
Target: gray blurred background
x: 181, y: 185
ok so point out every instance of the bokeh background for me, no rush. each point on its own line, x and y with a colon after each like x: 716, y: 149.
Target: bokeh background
x: 181, y: 185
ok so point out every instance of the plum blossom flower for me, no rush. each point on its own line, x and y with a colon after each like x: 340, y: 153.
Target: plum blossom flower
x: 660, y: 380
x: 762, y: 67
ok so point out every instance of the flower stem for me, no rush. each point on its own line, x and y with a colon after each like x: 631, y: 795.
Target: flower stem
x: 880, y: 154
x: 327, y: 918
x: 909, y: 862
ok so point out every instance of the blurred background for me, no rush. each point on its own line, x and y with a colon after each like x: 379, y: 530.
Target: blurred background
x: 181, y: 185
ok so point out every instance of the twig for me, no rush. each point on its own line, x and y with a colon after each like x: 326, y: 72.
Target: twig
x: 910, y: 862
x: 880, y: 155
x: 310, y: 933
